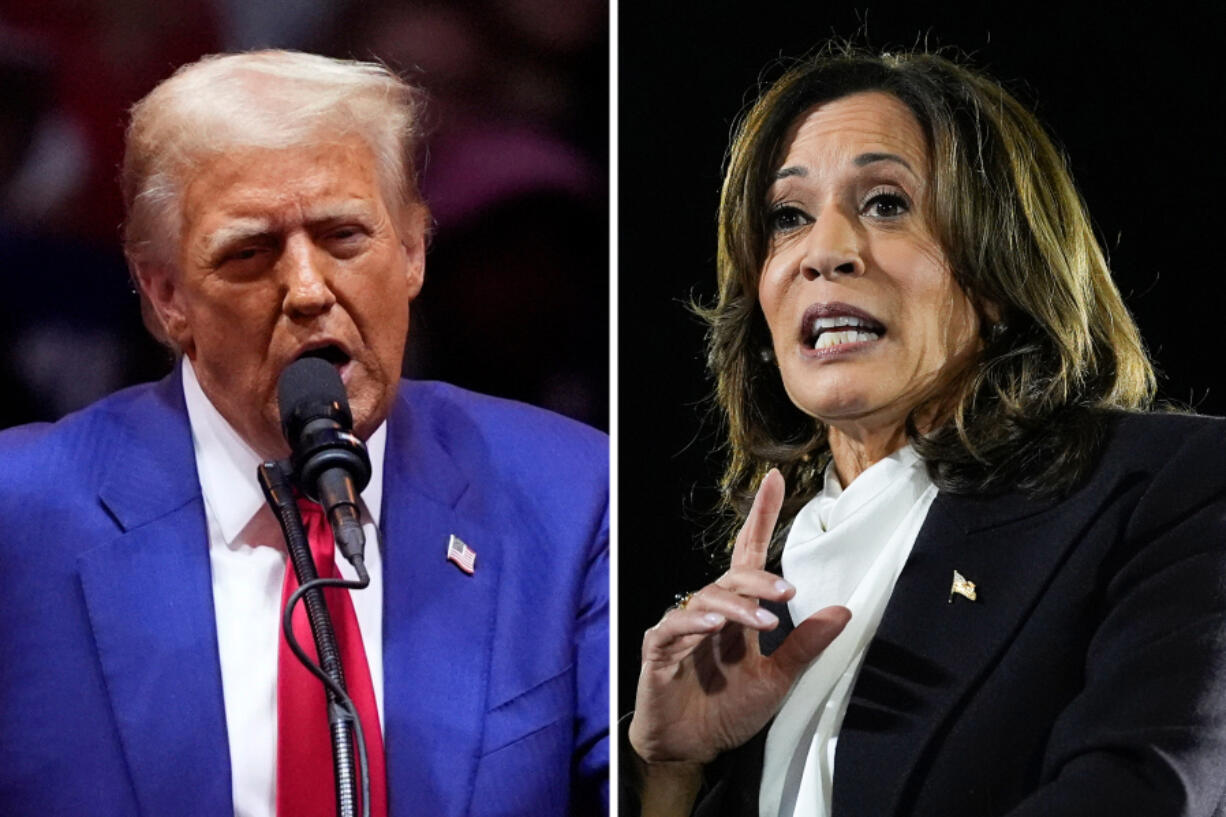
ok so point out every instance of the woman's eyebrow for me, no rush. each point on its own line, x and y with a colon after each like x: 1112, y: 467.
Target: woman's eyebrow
x: 860, y: 161
x: 869, y: 158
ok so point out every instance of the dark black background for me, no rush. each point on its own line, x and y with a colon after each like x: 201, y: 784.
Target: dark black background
x: 1134, y: 99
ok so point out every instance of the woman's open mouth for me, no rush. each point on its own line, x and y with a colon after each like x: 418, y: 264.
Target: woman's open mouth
x: 835, y: 331
x: 826, y: 327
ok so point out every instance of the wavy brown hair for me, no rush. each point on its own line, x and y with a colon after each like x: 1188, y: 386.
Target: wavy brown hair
x: 1059, y: 349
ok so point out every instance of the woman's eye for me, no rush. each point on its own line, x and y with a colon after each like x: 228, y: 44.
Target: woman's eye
x: 886, y: 205
x: 785, y: 218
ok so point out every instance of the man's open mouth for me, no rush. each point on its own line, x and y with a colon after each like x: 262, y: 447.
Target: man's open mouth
x: 331, y: 353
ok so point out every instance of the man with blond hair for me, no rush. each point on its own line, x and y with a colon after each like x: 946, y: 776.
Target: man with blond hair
x: 274, y: 214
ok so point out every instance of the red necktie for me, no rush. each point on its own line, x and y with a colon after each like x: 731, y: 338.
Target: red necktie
x: 305, y: 778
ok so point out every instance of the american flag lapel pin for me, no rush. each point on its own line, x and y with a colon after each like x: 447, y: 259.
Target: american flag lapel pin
x: 961, y: 587
x: 464, y: 557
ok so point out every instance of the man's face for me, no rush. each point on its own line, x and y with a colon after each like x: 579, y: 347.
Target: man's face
x: 285, y: 252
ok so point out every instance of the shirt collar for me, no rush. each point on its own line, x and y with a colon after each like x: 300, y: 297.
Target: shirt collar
x: 226, y: 464
x: 836, y: 503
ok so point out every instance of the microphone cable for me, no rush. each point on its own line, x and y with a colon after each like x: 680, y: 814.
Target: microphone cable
x: 342, y: 713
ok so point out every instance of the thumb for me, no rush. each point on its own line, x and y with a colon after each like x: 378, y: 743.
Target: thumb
x: 807, y: 641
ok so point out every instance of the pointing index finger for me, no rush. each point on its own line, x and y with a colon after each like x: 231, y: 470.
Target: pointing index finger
x: 754, y: 538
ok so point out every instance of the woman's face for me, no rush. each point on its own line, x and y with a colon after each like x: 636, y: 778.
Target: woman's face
x: 864, y: 314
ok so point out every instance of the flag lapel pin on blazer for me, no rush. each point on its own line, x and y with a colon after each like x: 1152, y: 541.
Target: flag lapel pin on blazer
x: 961, y: 587
x: 464, y: 557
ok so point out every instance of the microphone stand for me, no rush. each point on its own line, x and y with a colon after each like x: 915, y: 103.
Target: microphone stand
x: 342, y: 717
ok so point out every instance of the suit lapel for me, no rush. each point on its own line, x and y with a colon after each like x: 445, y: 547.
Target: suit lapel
x: 438, y: 630
x: 150, y: 603
x: 929, y: 653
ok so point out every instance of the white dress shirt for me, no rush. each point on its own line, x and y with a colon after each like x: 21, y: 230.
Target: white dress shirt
x: 248, y: 560
x: 845, y: 547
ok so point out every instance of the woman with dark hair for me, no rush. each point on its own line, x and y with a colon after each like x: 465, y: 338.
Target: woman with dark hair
x: 994, y: 580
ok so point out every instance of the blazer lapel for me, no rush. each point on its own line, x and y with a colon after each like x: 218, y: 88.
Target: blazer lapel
x: 438, y: 630
x: 150, y: 603
x: 932, y: 648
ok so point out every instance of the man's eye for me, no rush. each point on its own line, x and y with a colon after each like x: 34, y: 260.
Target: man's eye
x: 785, y: 218
x: 347, y: 231
x: 346, y: 241
x: 243, y: 254
x: 886, y: 205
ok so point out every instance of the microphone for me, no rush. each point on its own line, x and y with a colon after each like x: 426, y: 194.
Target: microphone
x: 329, y: 463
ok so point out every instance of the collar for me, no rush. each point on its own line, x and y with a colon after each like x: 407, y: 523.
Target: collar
x: 834, y: 503
x: 226, y: 464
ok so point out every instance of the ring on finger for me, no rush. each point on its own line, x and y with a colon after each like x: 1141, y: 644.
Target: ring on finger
x: 681, y: 600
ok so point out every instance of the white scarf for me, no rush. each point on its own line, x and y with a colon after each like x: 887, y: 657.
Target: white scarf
x: 845, y: 547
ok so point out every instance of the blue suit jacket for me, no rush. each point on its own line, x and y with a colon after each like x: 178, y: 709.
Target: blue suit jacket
x: 496, y: 684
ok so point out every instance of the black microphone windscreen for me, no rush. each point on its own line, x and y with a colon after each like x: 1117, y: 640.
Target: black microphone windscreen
x: 310, y: 387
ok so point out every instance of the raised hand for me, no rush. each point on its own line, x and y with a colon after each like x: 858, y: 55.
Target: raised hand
x: 704, y: 686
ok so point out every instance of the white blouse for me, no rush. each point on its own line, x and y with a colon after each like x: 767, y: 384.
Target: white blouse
x: 845, y: 547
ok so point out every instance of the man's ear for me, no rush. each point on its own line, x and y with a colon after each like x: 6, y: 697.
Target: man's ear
x: 162, y: 305
x: 414, y: 236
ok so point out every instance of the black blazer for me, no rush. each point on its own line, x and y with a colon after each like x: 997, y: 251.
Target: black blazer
x: 1089, y: 678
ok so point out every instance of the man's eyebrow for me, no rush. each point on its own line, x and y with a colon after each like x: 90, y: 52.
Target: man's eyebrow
x: 338, y: 211
x: 247, y: 227
x: 234, y: 231
x: 869, y: 158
